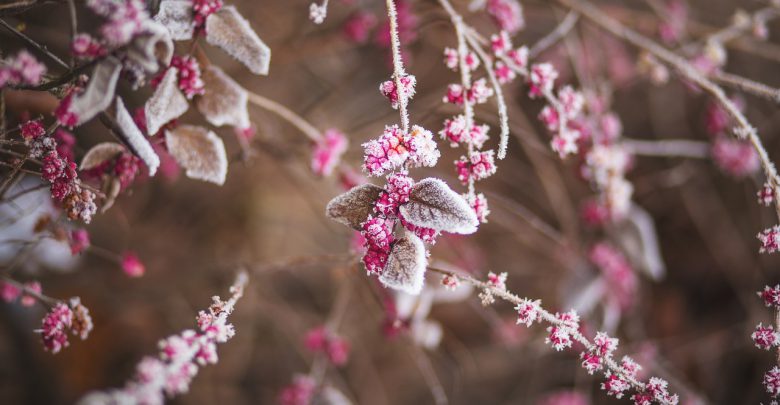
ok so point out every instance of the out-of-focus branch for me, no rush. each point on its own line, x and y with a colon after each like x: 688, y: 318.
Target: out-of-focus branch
x: 668, y: 148
x: 555, y: 35
x: 746, y: 85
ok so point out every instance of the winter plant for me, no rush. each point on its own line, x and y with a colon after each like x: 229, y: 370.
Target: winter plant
x: 147, y: 88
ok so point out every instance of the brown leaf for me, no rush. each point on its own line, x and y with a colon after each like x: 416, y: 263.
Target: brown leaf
x: 353, y: 207
x: 135, y: 139
x: 151, y: 49
x: 199, y: 151
x: 406, y: 266
x: 177, y: 17
x: 167, y: 102
x: 100, y: 153
x: 224, y: 102
x: 111, y: 188
x: 230, y: 31
x: 100, y: 91
x: 432, y: 204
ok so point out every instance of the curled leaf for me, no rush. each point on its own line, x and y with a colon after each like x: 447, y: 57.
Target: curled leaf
x: 224, y: 102
x: 200, y: 152
x: 166, y: 104
x: 230, y: 31
x: 433, y: 204
x: 111, y: 188
x: 353, y: 207
x: 100, y: 153
x: 177, y: 17
x: 135, y: 139
x: 639, y: 239
x: 99, y: 92
x: 406, y: 265
x: 151, y: 49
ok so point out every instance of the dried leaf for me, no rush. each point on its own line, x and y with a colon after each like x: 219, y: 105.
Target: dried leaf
x: 100, y: 153
x: 353, y: 207
x: 111, y: 188
x: 406, y: 266
x: 177, y: 17
x: 432, y: 204
x: 167, y: 102
x: 200, y: 152
x: 224, y: 101
x: 151, y: 49
x: 100, y: 91
x: 135, y: 139
x: 230, y: 31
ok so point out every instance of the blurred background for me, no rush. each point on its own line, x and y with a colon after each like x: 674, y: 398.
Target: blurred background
x: 691, y: 324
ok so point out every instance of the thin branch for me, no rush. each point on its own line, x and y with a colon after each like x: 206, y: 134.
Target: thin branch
x: 285, y: 113
x: 34, y: 44
x: 668, y: 148
x: 398, y: 65
x: 746, y: 85
x: 555, y: 35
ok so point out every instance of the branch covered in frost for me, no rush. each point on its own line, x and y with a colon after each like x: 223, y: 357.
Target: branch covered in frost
x: 171, y: 372
x: 563, y: 331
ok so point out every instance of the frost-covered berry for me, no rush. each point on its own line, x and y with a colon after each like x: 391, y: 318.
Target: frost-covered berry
x: 550, y: 118
x: 450, y: 282
x: 527, y: 312
x: 358, y: 26
x: 503, y: 73
x: 84, y: 46
x: 508, y: 14
x: 615, y: 385
x: 203, y: 9
x: 327, y: 152
x: 571, y: 101
x: 455, y: 131
x: 9, y: 292
x: 29, y: 300
x: 132, y: 265
x: 79, y: 241
x: 497, y: 280
x: 300, y: 392
x: 772, y: 381
x: 734, y: 157
x: 766, y: 195
x: 500, y: 43
x: 52, y: 167
x: 427, y: 235
x: 31, y: 130
x: 386, y: 153
x: 375, y: 259
x: 378, y: 232
x: 765, y: 337
x: 771, y: 296
x: 480, y: 92
x: 658, y: 390
x: 422, y: 147
x: 541, y: 79
x: 479, y: 204
x: 455, y: 94
x: 478, y: 166
x: 189, y: 74
x: 55, y: 327
x: 452, y: 60
x: 388, y: 89
x: 769, y: 239
x: 560, y: 334
x: 519, y: 57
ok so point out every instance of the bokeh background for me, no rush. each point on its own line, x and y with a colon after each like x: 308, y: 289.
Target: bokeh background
x: 691, y: 327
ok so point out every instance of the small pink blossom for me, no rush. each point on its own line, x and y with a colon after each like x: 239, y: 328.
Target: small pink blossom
x: 500, y: 43
x: 478, y: 166
x: 32, y: 129
x: 327, y: 152
x: 189, y: 74
x: 593, y: 213
x: 571, y: 101
x: 527, y: 312
x: 455, y: 94
x: 765, y: 337
x: 55, y: 327
x: 559, y: 336
x: 84, y: 46
x: 300, y: 392
x: 479, y: 204
x: 9, y: 292
x: 450, y: 282
x: 79, y: 241
x: 771, y: 296
x: 388, y: 89
x: 736, y: 158
x: 132, y: 265
x: 519, y: 57
x: 455, y: 131
x: 615, y: 385
x: 766, y: 195
x: 541, y: 79
x: 772, y: 381
x: 504, y: 73
x: 769, y: 239
x: 497, y: 280
x: 508, y: 14
x: 358, y: 26
x: 27, y: 299
x: 203, y: 9
x: 21, y: 69
x: 480, y: 92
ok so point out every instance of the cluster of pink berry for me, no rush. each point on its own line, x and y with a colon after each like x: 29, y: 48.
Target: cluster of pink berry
x: 328, y: 151
x: 767, y: 337
x: 60, y: 171
x: 188, y: 74
x: 62, y: 319
x: 334, y: 347
x: 125, y: 19
x: 21, y: 69
x: 171, y: 373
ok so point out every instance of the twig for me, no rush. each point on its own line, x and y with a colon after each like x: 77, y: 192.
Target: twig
x: 555, y: 35
x: 746, y: 85
x: 34, y: 44
x: 398, y: 65
x: 40, y: 297
x: 668, y: 148
x: 286, y: 114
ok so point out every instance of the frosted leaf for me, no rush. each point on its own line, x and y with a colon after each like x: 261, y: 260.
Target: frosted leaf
x: 166, y: 104
x: 406, y: 265
x: 199, y: 151
x: 639, y: 239
x: 353, y: 207
x: 151, y: 49
x: 177, y: 17
x: 99, y: 92
x: 433, y: 204
x: 426, y: 333
x: 135, y: 139
x: 224, y: 102
x: 230, y: 31
x: 100, y: 153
